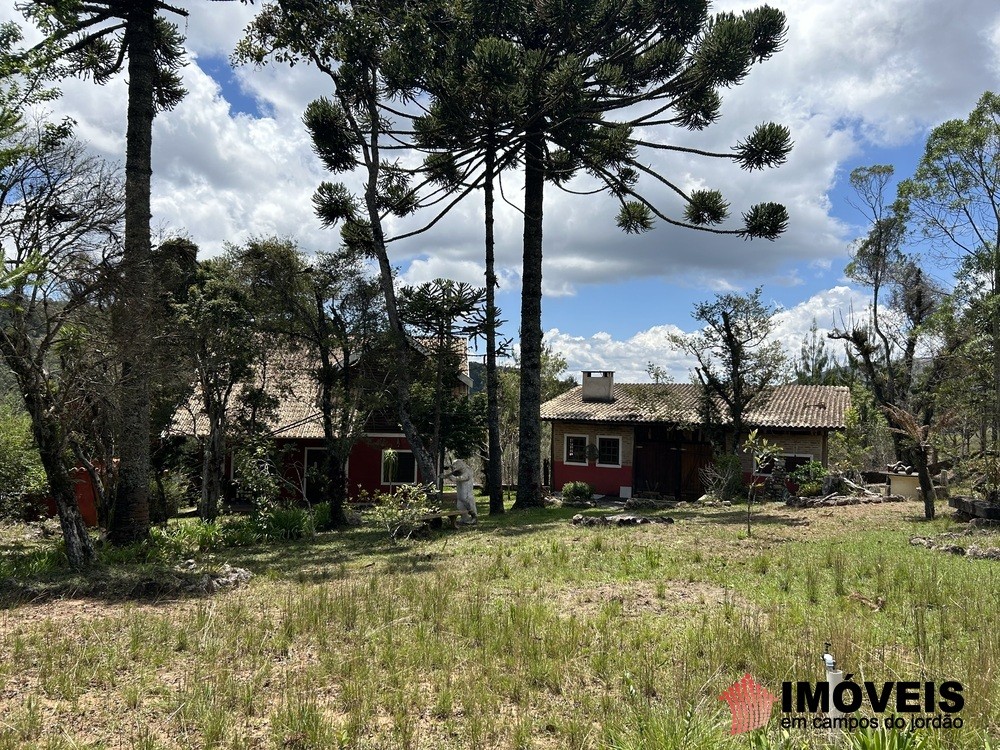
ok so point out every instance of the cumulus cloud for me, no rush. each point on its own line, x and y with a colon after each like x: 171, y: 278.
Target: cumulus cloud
x: 852, y: 74
x: 630, y: 357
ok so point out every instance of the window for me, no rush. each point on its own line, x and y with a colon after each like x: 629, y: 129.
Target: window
x: 609, y: 451
x: 576, y: 449
x: 314, y: 465
x: 398, y: 467
x: 792, y: 462
x: 311, y: 479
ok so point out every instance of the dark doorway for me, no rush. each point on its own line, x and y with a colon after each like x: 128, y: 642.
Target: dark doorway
x: 657, y: 468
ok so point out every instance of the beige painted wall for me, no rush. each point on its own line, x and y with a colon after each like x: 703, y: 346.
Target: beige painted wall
x: 591, y: 430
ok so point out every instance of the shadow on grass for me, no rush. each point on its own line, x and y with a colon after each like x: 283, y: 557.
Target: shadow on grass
x: 738, y: 517
x: 102, y: 583
x: 40, y: 572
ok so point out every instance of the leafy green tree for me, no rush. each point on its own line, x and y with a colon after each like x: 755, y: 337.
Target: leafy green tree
x: 60, y: 214
x: 762, y: 452
x: 327, y: 307
x: 738, y: 364
x: 216, y: 322
x: 954, y: 198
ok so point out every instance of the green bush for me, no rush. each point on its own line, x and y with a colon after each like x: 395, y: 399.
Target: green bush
x: 322, y: 517
x: 577, y: 491
x: 21, y: 473
x: 810, y: 489
x: 399, y: 512
x: 814, y: 471
x: 176, y: 491
x: 288, y: 523
x: 258, y: 474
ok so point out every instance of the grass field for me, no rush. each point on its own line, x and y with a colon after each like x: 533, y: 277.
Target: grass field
x: 527, y: 632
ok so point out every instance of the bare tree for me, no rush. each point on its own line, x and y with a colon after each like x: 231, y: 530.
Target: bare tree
x: 60, y: 216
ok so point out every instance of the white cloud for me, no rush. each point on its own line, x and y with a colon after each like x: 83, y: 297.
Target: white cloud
x: 629, y: 358
x: 852, y: 74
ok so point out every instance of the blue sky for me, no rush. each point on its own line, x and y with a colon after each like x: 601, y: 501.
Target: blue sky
x: 858, y: 83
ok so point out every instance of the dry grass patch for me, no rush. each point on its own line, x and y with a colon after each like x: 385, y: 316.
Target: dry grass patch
x: 540, y: 635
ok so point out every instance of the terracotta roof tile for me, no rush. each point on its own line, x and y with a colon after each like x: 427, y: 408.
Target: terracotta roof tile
x: 797, y: 406
x: 291, y: 381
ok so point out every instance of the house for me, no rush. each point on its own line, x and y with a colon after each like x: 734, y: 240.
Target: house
x: 380, y: 458
x: 626, y: 438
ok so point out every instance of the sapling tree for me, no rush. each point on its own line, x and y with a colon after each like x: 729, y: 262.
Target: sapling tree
x: 762, y: 453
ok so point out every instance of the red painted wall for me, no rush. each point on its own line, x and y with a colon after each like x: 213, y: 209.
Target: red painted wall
x: 364, y: 469
x: 86, y: 498
x: 604, y: 480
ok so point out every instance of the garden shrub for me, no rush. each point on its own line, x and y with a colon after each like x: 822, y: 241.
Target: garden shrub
x: 288, y: 523
x: 814, y: 471
x: 259, y: 479
x: 399, y: 512
x: 322, y: 517
x: 577, y: 492
x: 810, y: 489
x: 21, y: 473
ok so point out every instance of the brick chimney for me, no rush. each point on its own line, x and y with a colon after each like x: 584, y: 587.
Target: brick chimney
x: 598, y: 384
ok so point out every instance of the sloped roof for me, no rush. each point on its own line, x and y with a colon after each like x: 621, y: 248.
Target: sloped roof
x: 790, y: 406
x: 290, y: 379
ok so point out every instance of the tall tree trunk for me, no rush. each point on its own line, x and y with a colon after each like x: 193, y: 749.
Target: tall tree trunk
x: 130, y: 521
x: 494, y: 462
x: 332, y: 467
x: 529, y: 488
x: 79, y: 549
x: 918, y: 456
x: 213, y: 466
x: 423, y: 457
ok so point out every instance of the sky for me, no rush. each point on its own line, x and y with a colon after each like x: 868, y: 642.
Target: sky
x: 858, y: 83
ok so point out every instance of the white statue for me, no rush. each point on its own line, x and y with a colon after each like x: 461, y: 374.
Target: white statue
x: 462, y: 475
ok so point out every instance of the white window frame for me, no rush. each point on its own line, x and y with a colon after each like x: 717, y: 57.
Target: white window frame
x: 609, y: 437
x: 566, y: 460
x: 758, y: 473
x: 381, y: 469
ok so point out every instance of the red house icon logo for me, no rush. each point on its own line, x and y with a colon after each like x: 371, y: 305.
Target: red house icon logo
x: 750, y: 703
